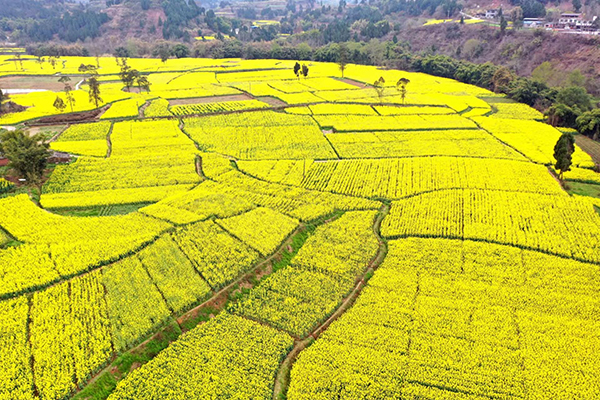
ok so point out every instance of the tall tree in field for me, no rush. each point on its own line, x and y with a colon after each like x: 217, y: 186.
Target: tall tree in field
x: 18, y: 61
x: 93, y: 83
x: 53, y: 60
x: 94, y: 86
x: 501, y: 79
x: 68, y: 90
x: 27, y: 155
x: 342, y: 58
x: 127, y: 75
x: 563, y: 152
x: 305, y: 70
x: 297, y: 69
x: 142, y: 82
x: 401, y: 85
x: 379, y: 86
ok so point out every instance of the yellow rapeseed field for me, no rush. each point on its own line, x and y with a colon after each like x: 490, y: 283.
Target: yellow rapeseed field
x: 412, y: 247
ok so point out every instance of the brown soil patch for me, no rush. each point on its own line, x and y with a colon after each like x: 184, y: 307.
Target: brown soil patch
x: 268, y: 270
x: 213, y: 99
x: 68, y: 118
x: 32, y: 82
x: 47, y: 128
x: 272, y: 101
x: 352, y: 82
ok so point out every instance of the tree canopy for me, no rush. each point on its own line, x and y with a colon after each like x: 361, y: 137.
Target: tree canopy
x: 27, y: 155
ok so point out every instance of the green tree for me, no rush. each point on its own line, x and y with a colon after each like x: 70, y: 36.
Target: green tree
x: 576, y: 5
x: 575, y: 96
x: 181, y: 51
x: 163, y: 51
x: 305, y: 70
x: 121, y: 52
x: 545, y: 72
x: 562, y: 115
x: 297, y: 69
x: 589, y: 124
x: 563, y: 152
x: 27, y: 155
x: 401, y: 86
x: 503, y: 24
x: 342, y: 58
x: 379, y: 86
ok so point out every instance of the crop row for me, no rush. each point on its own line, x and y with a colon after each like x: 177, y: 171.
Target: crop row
x: 454, y: 142
x: 210, y: 108
x: 356, y: 123
x: 402, y: 177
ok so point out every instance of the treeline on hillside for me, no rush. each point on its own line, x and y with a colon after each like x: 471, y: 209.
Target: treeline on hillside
x: 25, y: 9
x: 70, y: 27
x: 179, y: 13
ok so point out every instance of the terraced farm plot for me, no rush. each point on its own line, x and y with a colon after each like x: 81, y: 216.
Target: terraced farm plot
x: 150, y: 155
x: 537, y: 143
x: 211, y: 108
x: 260, y: 135
x: 466, y: 143
x: 359, y: 123
x: 404, y: 177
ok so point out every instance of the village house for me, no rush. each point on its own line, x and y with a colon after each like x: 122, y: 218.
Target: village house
x: 574, y: 21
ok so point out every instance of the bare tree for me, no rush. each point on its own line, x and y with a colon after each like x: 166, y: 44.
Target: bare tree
x: 142, y: 82
x: 68, y: 90
x: 401, y: 86
x: 379, y: 86
x: 342, y: 58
